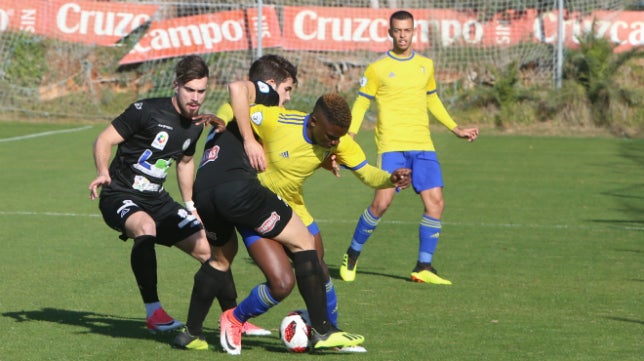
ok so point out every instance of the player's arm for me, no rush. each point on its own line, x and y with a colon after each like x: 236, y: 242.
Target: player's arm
x: 377, y: 178
x: 242, y: 95
x: 436, y: 107
x: 103, y: 144
x: 185, y: 180
x: 358, y: 110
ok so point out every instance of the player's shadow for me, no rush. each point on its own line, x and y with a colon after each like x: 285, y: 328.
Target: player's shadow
x: 124, y: 327
x: 95, y: 323
x: 334, y: 272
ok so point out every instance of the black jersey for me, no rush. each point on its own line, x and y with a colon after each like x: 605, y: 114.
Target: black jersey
x: 156, y: 136
x: 224, y: 158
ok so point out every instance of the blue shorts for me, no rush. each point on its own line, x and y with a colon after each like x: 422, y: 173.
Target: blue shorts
x: 426, y: 170
x: 249, y: 236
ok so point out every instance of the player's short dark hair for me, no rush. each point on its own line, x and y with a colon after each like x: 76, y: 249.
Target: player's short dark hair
x: 400, y: 15
x: 190, y: 68
x: 335, y: 108
x: 274, y: 67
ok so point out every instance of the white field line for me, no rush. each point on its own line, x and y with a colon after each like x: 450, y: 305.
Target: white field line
x: 44, y: 134
x: 344, y: 221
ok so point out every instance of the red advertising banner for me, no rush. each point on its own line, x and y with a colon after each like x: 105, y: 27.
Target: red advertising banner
x: 208, y: 33
x: 624, y: 28
x: 344, y: 29
x: 100, y: 23
x: 23, y: 15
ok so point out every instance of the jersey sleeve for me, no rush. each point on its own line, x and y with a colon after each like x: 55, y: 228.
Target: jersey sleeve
x: 225, y: 112
x: 129, y: 122
x: 350, y: 155
x: 265, y: 94
x: 264, y: 119
x: 434, y: 103
x: 366, y: 93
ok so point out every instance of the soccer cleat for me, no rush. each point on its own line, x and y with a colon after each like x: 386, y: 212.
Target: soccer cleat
x: 230, y: 332
x: 160, y: 321
x: 428, y: 274
x: 334, y: 338
x: 249, y: 329
x: 348, y: 268
x: 186, y: 341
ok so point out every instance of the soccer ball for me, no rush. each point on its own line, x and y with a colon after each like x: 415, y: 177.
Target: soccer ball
x: 295, y: 330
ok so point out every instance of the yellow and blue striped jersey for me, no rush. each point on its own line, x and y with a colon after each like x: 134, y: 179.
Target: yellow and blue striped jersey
x: 291, y: 156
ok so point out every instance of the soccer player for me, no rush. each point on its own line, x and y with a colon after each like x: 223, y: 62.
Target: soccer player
x: 228, y: 194
x: 402, y: 83
x: 296, y: 144
x: 151, y: 135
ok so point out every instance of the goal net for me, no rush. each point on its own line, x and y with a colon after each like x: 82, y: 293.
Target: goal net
x: 87, y: 59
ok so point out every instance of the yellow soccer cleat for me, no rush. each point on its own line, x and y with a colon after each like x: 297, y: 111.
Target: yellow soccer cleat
x: 428, y: 274
x: 348, y: 269
x: 186, y: 341
x: 334, y: 338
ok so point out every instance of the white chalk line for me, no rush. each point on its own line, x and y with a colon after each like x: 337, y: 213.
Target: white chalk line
x: 384, y: 221
x: 43, y: 134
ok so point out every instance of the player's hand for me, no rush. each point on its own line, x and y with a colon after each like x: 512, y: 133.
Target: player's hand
x: 401, y: 178
x: 210, y: 119
x: 255, y: 153
x: 331, y: 165
x: 101, y: 180
x: 468, y: 133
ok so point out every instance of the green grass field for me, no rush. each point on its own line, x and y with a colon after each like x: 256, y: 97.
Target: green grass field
x: 542, y: 237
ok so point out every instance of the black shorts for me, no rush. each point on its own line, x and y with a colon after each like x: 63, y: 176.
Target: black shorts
x: 174, y: 222
x: 244, y: 203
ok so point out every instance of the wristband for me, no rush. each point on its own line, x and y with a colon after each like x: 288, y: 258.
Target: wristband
x: 190, y: 206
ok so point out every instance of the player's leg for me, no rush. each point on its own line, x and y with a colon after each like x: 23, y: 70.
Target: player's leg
x: 310, y: 282
x: 428, y: 182
x: 367, y: 224
x: 331, y: 297
x: 370, y: 218
x: 272, y: 259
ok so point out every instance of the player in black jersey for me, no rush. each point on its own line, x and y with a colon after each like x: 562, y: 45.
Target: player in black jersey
x: 151, y: 135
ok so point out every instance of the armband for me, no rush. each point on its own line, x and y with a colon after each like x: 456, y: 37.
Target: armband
x: 190, y: 206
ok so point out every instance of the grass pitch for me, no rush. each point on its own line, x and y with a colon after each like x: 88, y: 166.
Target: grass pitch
x: 542, y: 237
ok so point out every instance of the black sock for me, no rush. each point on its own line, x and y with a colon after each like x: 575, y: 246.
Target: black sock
x: 208, y: 282
x: 143, y: 260
x: 228, y: 293
x: 310, y: 282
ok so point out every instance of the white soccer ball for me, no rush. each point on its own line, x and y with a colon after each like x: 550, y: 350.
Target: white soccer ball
x: 295, y: 330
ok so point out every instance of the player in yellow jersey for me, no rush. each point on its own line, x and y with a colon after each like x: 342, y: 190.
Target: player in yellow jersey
x: 295, y: 145
x: 403, y: 85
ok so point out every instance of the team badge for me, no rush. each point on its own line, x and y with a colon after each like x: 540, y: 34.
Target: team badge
x: 186, y: 144
x: 263, y: 87
x: 257, y: 118
x: 160, y: 140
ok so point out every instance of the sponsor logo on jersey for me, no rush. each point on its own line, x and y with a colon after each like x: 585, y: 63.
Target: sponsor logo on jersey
x: 268, y: 224
x: 209, y: 155
x: 160, y: 140
x: 284, y: 154
x: 186, y: 144
x: 257, y: 118
x: 164, y: 126
x: 138, y: 106
x: 263, y: 87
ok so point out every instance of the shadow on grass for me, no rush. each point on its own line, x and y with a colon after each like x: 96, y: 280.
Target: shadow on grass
x: 626, y: 320
x: 630, y: 196
x: 334, y: 272
x: 133, y: 328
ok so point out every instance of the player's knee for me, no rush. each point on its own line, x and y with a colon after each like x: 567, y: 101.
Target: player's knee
x: 281, y: 286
